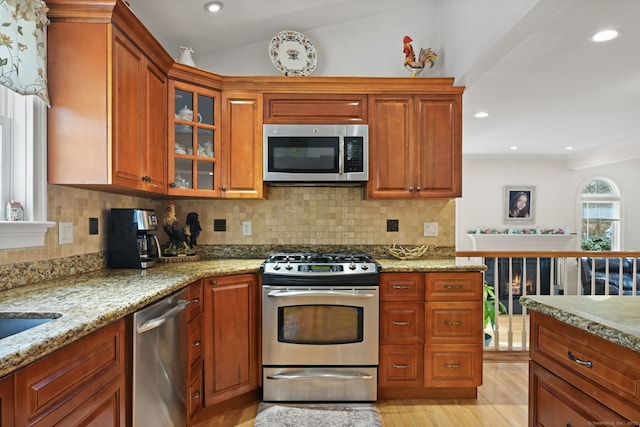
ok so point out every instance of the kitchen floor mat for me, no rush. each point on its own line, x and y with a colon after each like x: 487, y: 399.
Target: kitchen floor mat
x: 317, y: 414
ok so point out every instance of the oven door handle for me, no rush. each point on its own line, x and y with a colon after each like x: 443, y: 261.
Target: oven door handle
x: 327, y: 375
x: 284, y: 294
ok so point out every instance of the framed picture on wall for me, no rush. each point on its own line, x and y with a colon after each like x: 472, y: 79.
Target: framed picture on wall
x: 519, y: 202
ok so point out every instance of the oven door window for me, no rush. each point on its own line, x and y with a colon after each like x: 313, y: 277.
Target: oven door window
x: 320, y: 324
x: 312, y: 154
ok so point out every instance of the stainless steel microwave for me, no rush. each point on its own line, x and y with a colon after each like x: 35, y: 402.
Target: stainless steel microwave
x: 316, y: 153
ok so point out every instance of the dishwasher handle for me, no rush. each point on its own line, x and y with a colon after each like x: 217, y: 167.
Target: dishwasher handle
x: 162, y: 319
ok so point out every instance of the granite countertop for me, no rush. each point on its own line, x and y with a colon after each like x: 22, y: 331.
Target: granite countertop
x: 615, y: 318
x: 87, y: 302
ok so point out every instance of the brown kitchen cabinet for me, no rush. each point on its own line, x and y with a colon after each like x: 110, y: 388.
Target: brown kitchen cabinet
x: 415, y: 146
x: 230, y: 337
x: 6, y: 401
x: 430, y: 335
x: 107, y: 124
x: 242, y: 145
x: 195, y: 326
x: 194, y: 141
x: 314, y: 108
x: 579, y: 378
x: 80, y: 384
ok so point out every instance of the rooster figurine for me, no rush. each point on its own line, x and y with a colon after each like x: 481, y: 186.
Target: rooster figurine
x: 417, y: 65
x: 178, y: 235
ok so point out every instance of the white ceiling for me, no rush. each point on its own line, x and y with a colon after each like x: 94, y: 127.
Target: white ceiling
x: 546, y: 87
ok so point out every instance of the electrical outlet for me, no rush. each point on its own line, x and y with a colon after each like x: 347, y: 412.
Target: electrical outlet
x: 246, y: 228
x: 93, y: 225
x: 430, y: 229
x: 65, y: 233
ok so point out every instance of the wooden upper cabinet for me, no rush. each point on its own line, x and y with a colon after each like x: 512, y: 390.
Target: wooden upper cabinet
x: 106, y: 127
x: 297, y: 108
x: 415, y: 146
x: 139, y: 106
x: 242, y: 145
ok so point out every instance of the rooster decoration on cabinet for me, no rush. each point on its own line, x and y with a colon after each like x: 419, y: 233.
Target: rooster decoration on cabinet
x: 416, y: 65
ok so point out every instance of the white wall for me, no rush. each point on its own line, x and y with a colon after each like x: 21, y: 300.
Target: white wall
x: 353, y: 48
x: 557, y: 192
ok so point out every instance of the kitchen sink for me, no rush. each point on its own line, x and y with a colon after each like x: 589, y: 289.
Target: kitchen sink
x: 13, y: 323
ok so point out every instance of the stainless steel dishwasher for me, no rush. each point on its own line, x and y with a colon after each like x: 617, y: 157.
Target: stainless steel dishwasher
x: 160, y: 363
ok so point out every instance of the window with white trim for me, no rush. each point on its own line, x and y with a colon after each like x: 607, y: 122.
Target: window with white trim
x: 23, y: 168
x: 600, y: 216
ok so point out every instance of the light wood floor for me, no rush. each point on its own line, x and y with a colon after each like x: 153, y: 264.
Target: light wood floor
x: 502, y: 401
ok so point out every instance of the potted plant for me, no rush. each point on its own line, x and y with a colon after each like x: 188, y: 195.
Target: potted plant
x: 489, y: 298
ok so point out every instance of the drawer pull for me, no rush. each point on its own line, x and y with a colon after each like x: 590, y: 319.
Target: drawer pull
x: 453, y: 365
x: 397, y: 323
x: 400, y: 366
x: 586, y: 363
x: 452, y: 322
x: 453, y: 286
x: 401, y: 286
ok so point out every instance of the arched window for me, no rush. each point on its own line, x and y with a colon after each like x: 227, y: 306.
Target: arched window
x: 600, y: 216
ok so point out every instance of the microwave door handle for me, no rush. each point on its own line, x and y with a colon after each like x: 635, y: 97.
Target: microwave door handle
x: 341, y: 156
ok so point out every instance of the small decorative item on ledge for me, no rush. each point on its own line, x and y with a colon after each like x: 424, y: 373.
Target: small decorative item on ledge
x: 15, y: 211
x: 416, y: 65
x: 405, y: 253
x: 185, y: 56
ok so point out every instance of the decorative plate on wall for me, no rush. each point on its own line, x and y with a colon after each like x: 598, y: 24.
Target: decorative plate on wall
x: 292, y: 53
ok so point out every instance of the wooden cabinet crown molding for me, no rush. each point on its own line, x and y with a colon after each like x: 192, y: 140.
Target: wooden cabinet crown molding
x: 342, y: 85
x: 117, y: 13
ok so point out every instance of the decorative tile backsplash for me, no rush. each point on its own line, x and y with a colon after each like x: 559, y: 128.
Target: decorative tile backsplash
x: 291, y: 217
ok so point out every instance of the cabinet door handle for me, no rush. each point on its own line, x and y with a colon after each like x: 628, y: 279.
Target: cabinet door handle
x: 398, y: 323
x: 452, y: 322
x: 224, y: 188
x: 410, y: 189
x: 452, y: 365
x: 195, y: 300
x: 196, y: 343
x: 195, y: 396
x: 453, y: 286
x: 214, y: 282
x: 401, y: 286
x: 418, y: 188
x: 395, y: 366
x: 586, y: 363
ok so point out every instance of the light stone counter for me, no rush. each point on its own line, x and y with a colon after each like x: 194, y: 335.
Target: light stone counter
x: 90, y: 301
x: 614, y: 318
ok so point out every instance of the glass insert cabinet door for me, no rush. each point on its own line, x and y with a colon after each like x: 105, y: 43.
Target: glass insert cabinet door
x: 194, y: 141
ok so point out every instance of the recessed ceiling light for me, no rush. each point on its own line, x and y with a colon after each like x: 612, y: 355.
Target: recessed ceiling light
x: 481, y: 114
x: 604, y: 36
x: 568, y: 148
x: 513, y: 147
x: 213, y: 6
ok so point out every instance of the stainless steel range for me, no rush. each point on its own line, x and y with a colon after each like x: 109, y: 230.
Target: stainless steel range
x: 320, y: 327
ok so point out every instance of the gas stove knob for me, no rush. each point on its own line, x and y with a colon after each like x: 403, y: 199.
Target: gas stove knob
x: 365, y: 266
x: 276, y: 266
x: 289, y: 266
x: 352, y: 266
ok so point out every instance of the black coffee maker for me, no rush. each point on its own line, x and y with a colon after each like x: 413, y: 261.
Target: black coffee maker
x: 132, y: 240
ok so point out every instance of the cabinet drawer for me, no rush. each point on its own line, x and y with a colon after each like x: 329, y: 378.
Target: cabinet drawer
x: 453, y: 287
x: 402, y: 323
x: 65, y: 379
x: 194, y: 293
x: 453, y: 366
x: 552, y: 401
x: 402, y: 287
x: 400, y: 365
x: 194, y: 393
x: 453, y: 323
x: 315, y: 108
x: 194, y: 334
x: 596, y: 359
